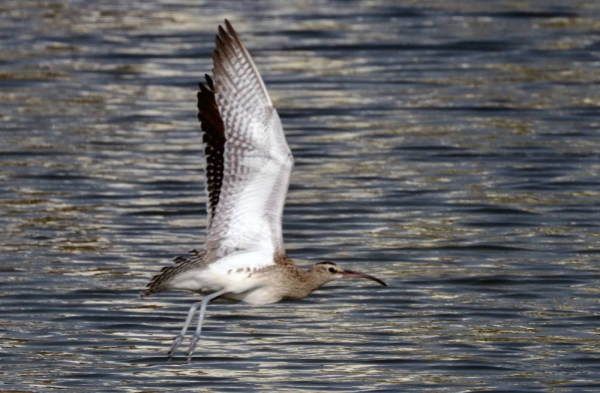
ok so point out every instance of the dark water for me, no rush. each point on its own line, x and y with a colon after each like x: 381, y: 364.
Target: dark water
x: 451, y: 148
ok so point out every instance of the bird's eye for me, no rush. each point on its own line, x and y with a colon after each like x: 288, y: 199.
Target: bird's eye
x: 331, y: 270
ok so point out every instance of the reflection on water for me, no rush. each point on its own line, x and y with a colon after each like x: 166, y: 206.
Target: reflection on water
x: 450, y: 148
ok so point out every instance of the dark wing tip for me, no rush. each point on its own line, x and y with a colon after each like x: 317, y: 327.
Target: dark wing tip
x: 209, y: 81
x: 218, y: 42
x: 203, y: 90
x: 222, y: 32
x: 203, y: 85
x: 229, y: 27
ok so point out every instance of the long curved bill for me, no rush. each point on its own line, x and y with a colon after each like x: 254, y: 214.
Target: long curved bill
x: 351, y: 274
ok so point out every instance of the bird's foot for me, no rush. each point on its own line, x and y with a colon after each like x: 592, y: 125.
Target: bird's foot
x: 176, y: 344
x: 192, y: 347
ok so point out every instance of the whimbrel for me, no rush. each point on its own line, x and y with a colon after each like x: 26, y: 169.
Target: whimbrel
x: 248, y: 167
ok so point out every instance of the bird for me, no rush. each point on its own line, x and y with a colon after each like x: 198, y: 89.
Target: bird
x: 248, y: 167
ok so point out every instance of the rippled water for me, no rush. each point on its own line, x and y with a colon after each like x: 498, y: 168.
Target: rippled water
x: 451, y: 149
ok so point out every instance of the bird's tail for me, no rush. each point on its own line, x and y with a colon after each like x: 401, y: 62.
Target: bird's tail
x: 160, y: 281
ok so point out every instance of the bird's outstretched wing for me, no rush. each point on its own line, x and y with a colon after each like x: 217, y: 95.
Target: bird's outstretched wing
x: 248, y: 159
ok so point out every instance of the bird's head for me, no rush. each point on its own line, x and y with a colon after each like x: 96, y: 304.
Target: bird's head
x: 328, y: 271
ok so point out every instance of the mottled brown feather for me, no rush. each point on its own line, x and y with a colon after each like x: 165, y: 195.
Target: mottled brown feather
x: 160, y: 281
x: 213, y: 136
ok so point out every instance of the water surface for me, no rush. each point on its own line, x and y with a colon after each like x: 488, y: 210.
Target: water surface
x: 451, y: 149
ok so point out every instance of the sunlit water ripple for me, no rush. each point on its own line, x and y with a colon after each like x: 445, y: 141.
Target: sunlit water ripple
x: 451, y: 149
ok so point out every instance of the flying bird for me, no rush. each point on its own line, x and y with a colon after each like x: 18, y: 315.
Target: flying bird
x: 248, y: 167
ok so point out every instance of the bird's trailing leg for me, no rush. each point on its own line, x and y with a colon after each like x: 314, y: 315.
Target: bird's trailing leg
x: 196, y: 337
x: 179, y: 337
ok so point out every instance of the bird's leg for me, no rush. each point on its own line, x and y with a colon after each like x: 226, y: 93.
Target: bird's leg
x: 179, y: 338
x: 196, y: 337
